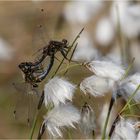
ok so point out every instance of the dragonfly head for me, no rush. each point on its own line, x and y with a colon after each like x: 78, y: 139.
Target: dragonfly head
x: 64, y: 41
x: 24, y: 67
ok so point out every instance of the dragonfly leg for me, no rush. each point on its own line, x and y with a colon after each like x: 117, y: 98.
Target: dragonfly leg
x: 57, y: 59
x: 64, y: 55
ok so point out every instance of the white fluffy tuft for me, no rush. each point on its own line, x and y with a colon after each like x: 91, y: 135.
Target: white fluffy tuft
x: 124, y: 130
x: 62, y: 116
x: 87, y: 123
x: 129, y: 85
x: 58, y: 90
x: 138, y: 136
x: 96, y: 86
x: 105, y: 32
x: 106, y: 69
x: 6, y: 52
x: 129, y: 17
x: 80, y: 12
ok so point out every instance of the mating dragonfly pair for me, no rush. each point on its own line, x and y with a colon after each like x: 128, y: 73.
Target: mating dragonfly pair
x: 32, y: 70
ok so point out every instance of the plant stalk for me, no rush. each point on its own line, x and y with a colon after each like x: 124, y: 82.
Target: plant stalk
x: 107, y: 118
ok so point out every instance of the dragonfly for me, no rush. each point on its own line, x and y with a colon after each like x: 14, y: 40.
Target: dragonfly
x: 32, y: 70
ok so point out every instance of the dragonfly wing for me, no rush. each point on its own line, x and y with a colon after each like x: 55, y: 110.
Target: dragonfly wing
x: 32, y: 106
x: 21, y: 106
x: 25, y: 103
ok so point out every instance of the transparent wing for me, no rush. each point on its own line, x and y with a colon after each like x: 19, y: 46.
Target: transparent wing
x: 26, y: 100
x: 40, y: 31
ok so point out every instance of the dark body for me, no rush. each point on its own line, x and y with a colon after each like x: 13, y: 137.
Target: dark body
x: 32, y: 70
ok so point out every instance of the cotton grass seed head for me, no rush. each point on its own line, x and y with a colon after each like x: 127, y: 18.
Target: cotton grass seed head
x: 96, y: 86
x: 106, y: 69
x: 124, y: 130
x: 105, y: 32
x: 129, y: 17
x: 80, y: 12
x: 58, y: 90
x: 137, y: 128
x: 129, y: 85
x: 87, y: 123
x: 65, y: 115
x: 6, y: 50
x: 138, y: 136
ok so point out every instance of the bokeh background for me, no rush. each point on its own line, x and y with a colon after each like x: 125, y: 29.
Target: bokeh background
x: 26, y: 26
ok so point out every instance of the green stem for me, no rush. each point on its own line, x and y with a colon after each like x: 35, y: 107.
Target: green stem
x: 130, y: 110
x: 128, y: 69
x: 129, y: 115
x: 131, y: 97
x: 34, y: 125
x: 107, y: 118
x: 69, y: 134
x: 42, y: 129
x: 134, y: 105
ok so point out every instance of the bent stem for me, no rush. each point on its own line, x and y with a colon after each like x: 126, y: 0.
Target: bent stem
x: 107, y: 118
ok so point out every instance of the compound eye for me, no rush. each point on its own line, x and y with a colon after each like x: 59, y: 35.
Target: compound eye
x: 64, y: 41
x: 20, y: 65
